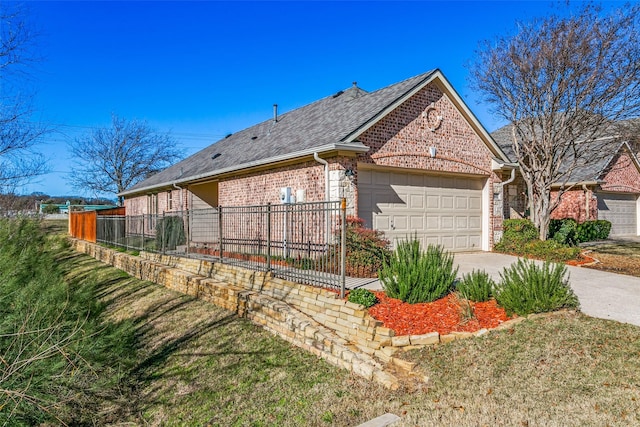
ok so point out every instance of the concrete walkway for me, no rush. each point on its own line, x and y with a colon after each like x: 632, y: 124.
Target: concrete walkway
x: 601, y: 294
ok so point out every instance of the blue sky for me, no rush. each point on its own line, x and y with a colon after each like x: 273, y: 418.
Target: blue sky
x: 201, y: 70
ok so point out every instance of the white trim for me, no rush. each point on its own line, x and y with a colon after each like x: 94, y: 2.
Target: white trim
x: 486, y: 215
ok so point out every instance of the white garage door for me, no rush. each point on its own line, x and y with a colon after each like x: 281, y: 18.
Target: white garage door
x: 620, y: 209
x: 439, y: 209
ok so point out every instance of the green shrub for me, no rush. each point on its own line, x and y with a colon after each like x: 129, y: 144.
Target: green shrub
x: 367, y: 249
x: 589, y: 231
x: 170, y: 233
x: 363, y: 297
x: 517, y: 233
x: 414, y: 276
x: 563, y: 231
x: 527, y: 288
x: 520, y: 238
x: 550, y: 250
x: 51, y: 209
x: 476, y: 286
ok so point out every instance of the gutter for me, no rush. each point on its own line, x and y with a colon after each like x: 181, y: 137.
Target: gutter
x: 356, y: 147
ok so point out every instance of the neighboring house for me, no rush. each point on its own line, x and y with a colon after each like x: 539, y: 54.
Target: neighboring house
x: 608, y: 188
x: 410, y: 158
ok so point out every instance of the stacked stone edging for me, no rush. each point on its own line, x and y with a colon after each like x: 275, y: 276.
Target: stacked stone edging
x: 315, y: 319
x: 290, y: 310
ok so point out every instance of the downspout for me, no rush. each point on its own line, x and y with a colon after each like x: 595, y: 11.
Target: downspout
x: 327, y: 219
x: 179, y: 188
x: 587, y: 199
x: 510, y: 180
x: 326, y: 175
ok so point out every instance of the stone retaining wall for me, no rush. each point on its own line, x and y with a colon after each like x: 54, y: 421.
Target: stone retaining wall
x: 314, y: 319
x: 341, y: 332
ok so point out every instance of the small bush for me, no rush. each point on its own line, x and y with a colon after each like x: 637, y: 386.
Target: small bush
x: 51, y: 209
x: 363, y: 297
x: 367, y: 249
x: 527, y: 288
x: 414, y: 276
x: 551, y: 250
x: 520, y: 238
x: 589, y: 231
x: 563, y: 231
x: 477, y: 286
x: 170, y: 233
x: 517, y: 233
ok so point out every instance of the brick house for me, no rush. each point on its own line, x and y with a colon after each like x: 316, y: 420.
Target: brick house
x: 409, y: 158
x: 608, y: 188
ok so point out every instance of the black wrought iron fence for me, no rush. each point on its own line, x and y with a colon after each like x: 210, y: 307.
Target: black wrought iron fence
x: 303, y: 242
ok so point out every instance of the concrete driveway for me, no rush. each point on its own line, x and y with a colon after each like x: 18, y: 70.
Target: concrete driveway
x: 601, y: 294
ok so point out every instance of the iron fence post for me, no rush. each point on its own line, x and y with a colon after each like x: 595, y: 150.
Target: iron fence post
x: 343, y: 251
x: 269, y: 236
x: 162, y: 233
x: 220, y: 232
x: 188, y: 233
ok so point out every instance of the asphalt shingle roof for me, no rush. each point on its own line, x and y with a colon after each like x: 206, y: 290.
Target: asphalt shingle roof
x: 330, y: 120
x: 583, y: 173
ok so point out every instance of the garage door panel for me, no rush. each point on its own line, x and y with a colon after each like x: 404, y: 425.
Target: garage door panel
x: 438, y: 209
x: 446, y: 202
x: 475, y: 223
x: 448, y: 243
x: 400, y: 223
x: 416, y: 201
x: 433, y: 223
x: 462, y: 202
x: 462, y: 223
x: 475, y: 203
x: 417, y: 222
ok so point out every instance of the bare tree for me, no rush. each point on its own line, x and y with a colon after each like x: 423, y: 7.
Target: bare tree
x: 19, y: 162
x: 110, y: 160
x: 563, y: 83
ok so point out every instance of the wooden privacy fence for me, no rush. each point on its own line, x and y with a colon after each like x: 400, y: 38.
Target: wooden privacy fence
x: 82, y: 225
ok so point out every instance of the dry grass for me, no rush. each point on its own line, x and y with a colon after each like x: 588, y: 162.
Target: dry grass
x: 201, y: 365
x: 617, y: 257
x: 567, y: 370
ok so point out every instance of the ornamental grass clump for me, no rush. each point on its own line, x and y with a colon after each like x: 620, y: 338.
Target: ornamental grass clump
x: 527, y: 288
x: 414, y: 276
x: 476, y: 286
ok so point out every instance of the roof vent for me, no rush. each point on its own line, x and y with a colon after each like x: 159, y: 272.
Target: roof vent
x: 338, y: 94
x: 275, y: 113
x: 253, y: 138
x: 228, y: 135
x: 215, y: 156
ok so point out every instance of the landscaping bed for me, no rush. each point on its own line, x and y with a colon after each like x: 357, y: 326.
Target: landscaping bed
x: 444, y: 315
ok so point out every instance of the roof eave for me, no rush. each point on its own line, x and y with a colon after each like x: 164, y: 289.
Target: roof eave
x: 355, y: 147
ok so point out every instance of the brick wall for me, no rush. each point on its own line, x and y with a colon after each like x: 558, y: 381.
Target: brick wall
x: 622, y: 175
x: 573, y: 204
x: 403, y: 139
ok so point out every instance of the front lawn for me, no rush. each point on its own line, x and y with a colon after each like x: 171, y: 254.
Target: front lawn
x: 200, y: 365
x: 615, y: 256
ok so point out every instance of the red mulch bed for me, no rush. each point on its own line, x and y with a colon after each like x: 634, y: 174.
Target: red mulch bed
x: 582, y: 260
x: 442, y: 316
